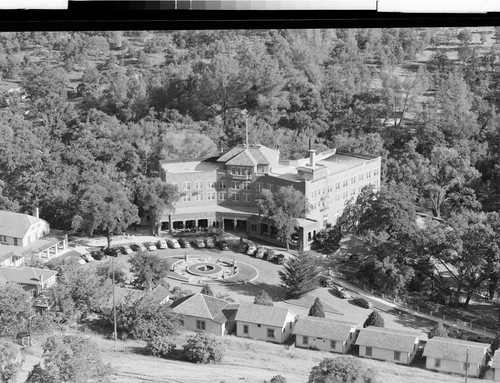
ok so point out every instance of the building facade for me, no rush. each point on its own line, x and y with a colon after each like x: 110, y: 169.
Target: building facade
x: 325, y: 334
x: 221, y: 191
x: 455, y: 356
x: 269, y: 323
x: 392, y: 345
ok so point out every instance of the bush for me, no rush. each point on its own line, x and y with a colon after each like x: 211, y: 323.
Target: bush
x: 203, y: 348
x: 438, y: 330
x: 276, y: 379
x: 374, y: 319
x: 263, y: 299
x: 317, y: 309
x: 160, y: 346
x: 207, y: 290
x: 343, y: 369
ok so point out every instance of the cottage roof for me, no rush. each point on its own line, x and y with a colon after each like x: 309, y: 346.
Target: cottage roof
x: 25, y: 275
x: 201, y: 306
x: 388, y: 339
x: 259, y: 314
x: 16, y: 224
x: 455, y: 349
x: 323, y: 328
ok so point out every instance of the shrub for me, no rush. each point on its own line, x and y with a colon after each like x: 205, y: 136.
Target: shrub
x: 278, y: 379
x: 160, y: 346
x: 207, y: 290
x: 343, y: 369
x: 438, y: 330
x: 263, y: 299
x: 203, y: 348
x: 317, y: 309
x: 374, y: 319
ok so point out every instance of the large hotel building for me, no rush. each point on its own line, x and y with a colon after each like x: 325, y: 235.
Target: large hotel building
x: 221, y: 191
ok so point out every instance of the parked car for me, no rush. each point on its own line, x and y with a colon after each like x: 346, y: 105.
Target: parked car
x: 137, y: 247
x: 209, y: 243
x: 242, y: 247
x: 150, y: 246
x: 261, y: 252
x: 341, y: 292
x: 251, y: 248
x: 294, y: 238
x: 280, y: 259
x: 270, y: 255
x: 366, y: 304
x: 173, y: 244
x: 184, y: 243
x: 111, y: 251
x: 162, y: 244
x: 87, y: 258
x: 98, y: 254
x: 198, y: 242
x: 125, y: 249
x: 222, y: 245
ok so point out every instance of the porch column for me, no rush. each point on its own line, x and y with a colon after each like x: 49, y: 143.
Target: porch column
x: 222, y: 223
x: 170, y: 224
x: 234, y: 224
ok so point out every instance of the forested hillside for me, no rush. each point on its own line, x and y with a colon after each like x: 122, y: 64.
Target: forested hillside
x: 86, y: 113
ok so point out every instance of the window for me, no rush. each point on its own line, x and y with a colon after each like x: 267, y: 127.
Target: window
x: 199, y: 197
x: 186, y: 186
x: 200, y: 325
x: 270, y: 333
x: 305, y: 340
x: 246, y: 197
x: 222, y: 184
x: 333, y: 344
x: 258, y: 186
x: 235, y: 197
x: 198, y: 185
x: 246, y: 185
x: 270, y: 187
x: 222, y: 196
x: 368, y: 351
x: 375, y: 172
x: 330, y: 188
x: 437, y: 363
x: 337, y: 185
x: 245, y: 329
x: 397, y: 355
x: 368, y: 174
x: 337, y: 197
x: 344, y: 183
x: 186, y: 197
x: 353, y: 191
x: 361, y: 177
x: 211, y: 184
x: 234, y: 185
x: 210, y: 196
x: 353, y: 180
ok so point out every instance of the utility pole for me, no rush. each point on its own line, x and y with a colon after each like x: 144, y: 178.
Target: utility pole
x: 114, y: 306
x: 466, y: 364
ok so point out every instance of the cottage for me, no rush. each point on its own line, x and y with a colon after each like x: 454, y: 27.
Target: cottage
x: 325, y: 334
x: 269, y: 323
x: 392, y: 345
x: 159, y: 294
x: 24, y: 235
x: 32, y: 279
x: 450, y: 355
x: 201, y: 312
x: 495, y: 365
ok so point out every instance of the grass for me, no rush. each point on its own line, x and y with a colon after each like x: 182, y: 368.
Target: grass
x: 245, y: 360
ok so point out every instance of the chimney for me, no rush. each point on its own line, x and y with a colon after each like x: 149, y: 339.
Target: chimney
x: 36, y: 212
x: 312, y: 154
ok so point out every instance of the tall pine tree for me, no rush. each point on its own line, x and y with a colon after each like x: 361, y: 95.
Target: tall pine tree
x: 300, y: 275
x: 317, y: 309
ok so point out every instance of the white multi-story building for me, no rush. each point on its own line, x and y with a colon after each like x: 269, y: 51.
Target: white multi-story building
x: 221, y: 191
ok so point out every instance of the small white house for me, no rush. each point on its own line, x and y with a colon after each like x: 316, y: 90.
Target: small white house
x: 455, y: 356
x: 32, y: 279
x: 392, y: 345
x: 269, y: 323
x: 201, y: 312
x: 325, y: 334
x: 495, y: 365
x: 21, y: 229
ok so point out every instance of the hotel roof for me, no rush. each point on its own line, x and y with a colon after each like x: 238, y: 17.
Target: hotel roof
x: 189, y: 166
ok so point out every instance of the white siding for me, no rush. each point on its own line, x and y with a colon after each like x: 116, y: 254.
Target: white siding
x: 453, y: 367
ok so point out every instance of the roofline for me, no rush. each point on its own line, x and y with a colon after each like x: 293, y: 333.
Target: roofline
x: 361, y: 155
